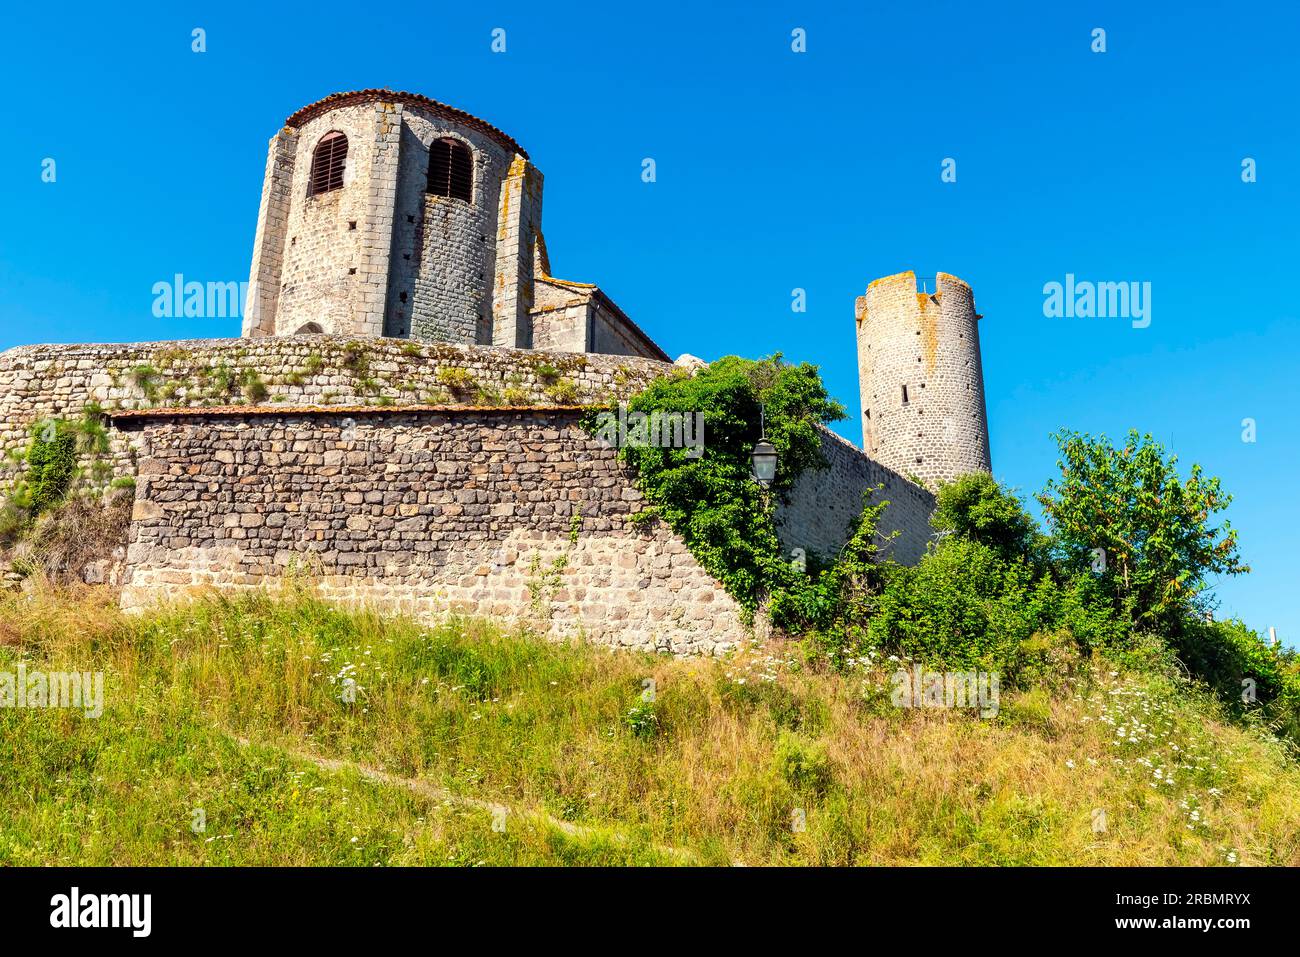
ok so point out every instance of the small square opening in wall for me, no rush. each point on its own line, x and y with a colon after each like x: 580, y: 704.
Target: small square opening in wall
x: 352, y: 270
x: 410, y: 219
x: 402, y: 296
x: 352, y: 224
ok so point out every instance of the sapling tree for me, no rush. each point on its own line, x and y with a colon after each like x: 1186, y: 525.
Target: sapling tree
x: 1127, y: 515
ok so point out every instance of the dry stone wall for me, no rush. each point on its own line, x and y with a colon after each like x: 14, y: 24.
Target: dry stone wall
x: 518, y: 515
x: 45, y: 381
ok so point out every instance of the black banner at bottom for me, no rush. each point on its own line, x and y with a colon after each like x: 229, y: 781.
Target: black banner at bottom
x: 137, y: 906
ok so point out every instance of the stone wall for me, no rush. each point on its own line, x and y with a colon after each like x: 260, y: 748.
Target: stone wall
x: 559, y: 317
x: 46, y: 381
x: 427, y: 477
x: 824, y: 504
x: 269, y: 239
x: 519, y: 515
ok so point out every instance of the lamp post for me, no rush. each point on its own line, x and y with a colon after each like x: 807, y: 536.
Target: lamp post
x: 764, y: 456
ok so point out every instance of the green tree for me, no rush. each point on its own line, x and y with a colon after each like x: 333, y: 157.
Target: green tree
x: 1158, y: 545
x: 975, y: 507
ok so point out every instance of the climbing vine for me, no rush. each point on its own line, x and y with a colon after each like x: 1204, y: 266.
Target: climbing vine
x: 704, y: 490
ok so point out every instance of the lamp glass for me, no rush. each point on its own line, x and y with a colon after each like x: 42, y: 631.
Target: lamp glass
x: 764, y: 459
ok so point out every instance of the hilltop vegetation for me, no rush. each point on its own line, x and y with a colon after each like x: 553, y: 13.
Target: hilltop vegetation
x: 1131, y: 727
x: 234, y: 713
x: 1121, y: 573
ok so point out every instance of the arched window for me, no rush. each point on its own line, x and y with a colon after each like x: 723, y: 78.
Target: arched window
x: 327, y: 163
x: 451, y: 170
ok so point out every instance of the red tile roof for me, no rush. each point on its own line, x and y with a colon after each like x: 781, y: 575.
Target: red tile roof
x: 336, y: 100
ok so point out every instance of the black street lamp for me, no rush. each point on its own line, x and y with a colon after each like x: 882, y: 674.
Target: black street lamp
x: 764, y: 456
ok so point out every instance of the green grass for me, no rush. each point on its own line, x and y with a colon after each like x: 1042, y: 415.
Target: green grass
x: 235, y: 707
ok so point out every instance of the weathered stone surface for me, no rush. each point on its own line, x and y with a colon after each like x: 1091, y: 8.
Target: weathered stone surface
x: 46, y: 381
x: 385, y: 251
x: 551, y: 545
x: 825, y: 503
x: 417, y: 510
x: 921, y: 378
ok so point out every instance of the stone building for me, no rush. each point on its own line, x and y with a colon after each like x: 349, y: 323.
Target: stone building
x: 402, y: 419
x: 391, y: 214
x: 921, y: 378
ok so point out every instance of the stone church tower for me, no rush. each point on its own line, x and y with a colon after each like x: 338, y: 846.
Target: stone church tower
x: 921, y: 379
x: 390, y: 214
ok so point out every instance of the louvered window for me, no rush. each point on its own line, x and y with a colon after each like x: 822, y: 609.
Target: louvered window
x: 327, y: 163
x: 451, y: 170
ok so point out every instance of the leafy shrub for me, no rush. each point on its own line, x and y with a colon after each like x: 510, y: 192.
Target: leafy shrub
x: 51, y: 464
x: 253, y: 387
x: 975, y: 507
x: 837, y: 602
x: 1049, y: 659
x: 1225, y: 654
x: 964, y: 606
x: 802, y: 765
x: 222, y: 380
x: 356, y: 358
x: 1152, y: 527
x: 146, y: 379
x: 456, y: 379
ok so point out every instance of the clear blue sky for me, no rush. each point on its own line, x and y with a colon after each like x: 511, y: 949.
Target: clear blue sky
x: 776, y: 170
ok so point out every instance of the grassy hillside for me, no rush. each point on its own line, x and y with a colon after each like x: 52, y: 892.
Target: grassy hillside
x: 469, y: 746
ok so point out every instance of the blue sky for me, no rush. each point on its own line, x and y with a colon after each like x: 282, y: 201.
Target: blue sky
x: 776, y: 171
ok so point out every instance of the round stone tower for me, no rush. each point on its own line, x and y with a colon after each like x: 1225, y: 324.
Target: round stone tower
x: 390, y: 214
x: 921, y: 380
